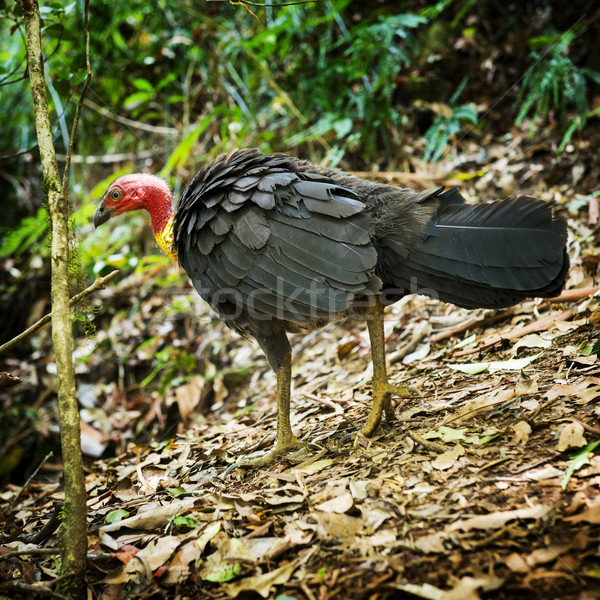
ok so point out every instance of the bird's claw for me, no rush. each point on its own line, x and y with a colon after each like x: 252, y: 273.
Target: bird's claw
x: 382, y: 405
x: 262, y: 459
x: 403, y: 392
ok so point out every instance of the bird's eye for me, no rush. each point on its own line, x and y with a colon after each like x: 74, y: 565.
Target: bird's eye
x: 115, y: 194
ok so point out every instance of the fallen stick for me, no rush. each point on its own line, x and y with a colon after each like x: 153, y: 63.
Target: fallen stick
x: 8, y: 380
x: 575, y: 294
x: 539, y: 325
x: 442, y: 335
x: 565, y: 296
x: 98, y: 284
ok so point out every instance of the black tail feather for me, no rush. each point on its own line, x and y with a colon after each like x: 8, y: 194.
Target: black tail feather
x: 487, y: 255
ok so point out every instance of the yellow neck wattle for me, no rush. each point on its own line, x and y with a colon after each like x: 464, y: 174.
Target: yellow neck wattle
x: 166, y: 240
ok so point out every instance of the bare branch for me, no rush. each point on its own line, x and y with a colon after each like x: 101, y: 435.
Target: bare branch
x: 98, y: 284
x: 128, y: 122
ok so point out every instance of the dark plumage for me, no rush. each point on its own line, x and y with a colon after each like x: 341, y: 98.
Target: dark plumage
x: 276, y: 245
x: 272, y: 242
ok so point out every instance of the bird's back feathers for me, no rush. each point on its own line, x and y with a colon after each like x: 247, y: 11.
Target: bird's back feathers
x: 270, y: 237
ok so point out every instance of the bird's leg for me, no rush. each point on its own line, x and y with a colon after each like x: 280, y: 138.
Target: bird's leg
x: 285, y: 440
x: 382, y: 389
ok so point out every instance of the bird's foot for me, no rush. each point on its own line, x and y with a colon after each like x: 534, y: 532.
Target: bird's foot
x: 280, y: 449
x: 400, y: 392
x: 382, y: 404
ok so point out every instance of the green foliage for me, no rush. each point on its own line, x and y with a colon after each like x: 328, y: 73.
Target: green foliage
x: 184, y: 522
x: 114, y: 516
x: 177, y: 82
x: 30, y: 232
x: 590, y: 348
x: 578, y: 460
x: 171, y: 362
x: 448, y: 123
x: 555, y: 83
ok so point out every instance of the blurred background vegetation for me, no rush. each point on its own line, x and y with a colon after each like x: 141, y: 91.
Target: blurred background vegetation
x: 370, y: 85
x: 367, y: 86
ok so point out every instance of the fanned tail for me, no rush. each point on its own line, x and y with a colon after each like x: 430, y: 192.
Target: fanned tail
x: 487, y: 255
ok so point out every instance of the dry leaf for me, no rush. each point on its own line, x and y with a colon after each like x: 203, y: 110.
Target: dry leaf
x: 383, y: 537
x: 148, y: 559
x: 358, y: 489
x: 449, y: 458
x: 571, y: 436
x: 591, y: 515
x: 530, y: 405
x: 516, y: 563
x: 179, y: 570
x: 498, y: 519
x: 465, y: 589
x: 314, y: 467
x: 339, y: 504
x: 339, y: 526
x: 543, y: 473
x: 522, y: 431
x: 188, y: 396
x: 526, y: 384
x: 261, y: 584
x: 433, y: 543
x: 152, y: 519
x: 482, y: 404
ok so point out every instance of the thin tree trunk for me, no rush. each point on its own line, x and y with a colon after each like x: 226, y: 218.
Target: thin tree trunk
x: 74, y: 530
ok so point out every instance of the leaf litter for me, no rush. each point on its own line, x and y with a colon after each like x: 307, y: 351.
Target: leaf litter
x: 487, y: 484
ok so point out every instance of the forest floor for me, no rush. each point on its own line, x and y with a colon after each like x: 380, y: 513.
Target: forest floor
x: 487, y: 485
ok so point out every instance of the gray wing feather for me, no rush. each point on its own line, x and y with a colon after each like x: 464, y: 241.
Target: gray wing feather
x: 259, y: 231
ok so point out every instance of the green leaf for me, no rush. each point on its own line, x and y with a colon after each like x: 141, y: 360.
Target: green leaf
x: 488, y: 438
x: 180, y: 492
x: 343, y: 127
x: 143, y: 84
x: 136, y: 99
x: 116, y: 515
x: 183, y: 521
x: 452, y: 435
x: 471, y: 368
x: 224, y: 572
x: 514, y: 364
x: 466, y: 112
x: 25, y: 235
x: 578, y: 460
x: 466, y: 341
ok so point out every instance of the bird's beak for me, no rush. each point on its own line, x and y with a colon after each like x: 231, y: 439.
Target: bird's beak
x: 102, y: 215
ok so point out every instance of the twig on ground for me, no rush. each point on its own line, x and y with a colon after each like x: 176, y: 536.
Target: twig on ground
x: 30, y: 590
x: 325, y: 401
x: 587, y: 427
x: 442, y: 335
x: 435, y: 446
x: 52, y: 524
x: 539, y: 325
x: 8, y: 380
x: 28, y: 552
x: 573, y: 295
x: 30, y: 478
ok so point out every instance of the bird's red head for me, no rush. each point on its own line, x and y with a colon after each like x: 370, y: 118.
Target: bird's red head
x: 135, y: 192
